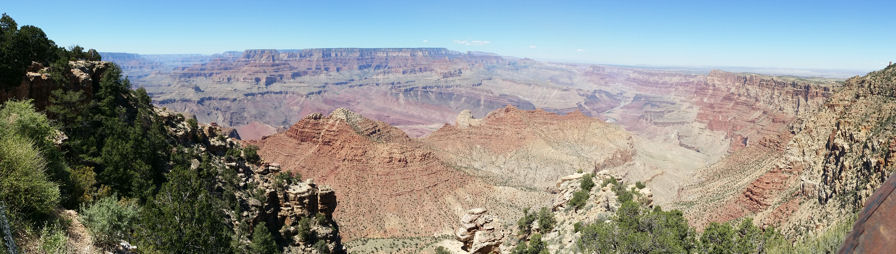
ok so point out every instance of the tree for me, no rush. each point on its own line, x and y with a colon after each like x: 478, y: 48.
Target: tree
x: 717, y: 238
x: 262, y: 240
x: 184, y: 217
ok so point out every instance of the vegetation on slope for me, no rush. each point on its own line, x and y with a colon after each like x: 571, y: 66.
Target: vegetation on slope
x: 109, y: 155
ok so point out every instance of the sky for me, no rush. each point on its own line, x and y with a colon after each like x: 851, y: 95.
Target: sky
x: 841, y: 35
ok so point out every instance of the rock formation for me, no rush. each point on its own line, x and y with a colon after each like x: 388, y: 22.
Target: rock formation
x: 261, y: 191
x: 479, y: 232
x: 814, y: 175
x: 83, y: 76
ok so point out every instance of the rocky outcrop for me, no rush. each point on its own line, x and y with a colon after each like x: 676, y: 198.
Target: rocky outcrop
x: 292, y: 208
x: 479, y: 232
x: 37, y: 85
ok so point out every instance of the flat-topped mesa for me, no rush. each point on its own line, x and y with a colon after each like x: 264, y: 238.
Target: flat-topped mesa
x: 331, y: 53
x: 269, y: 66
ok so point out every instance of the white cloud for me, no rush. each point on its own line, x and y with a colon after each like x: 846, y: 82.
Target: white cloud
x: 580, y: 50
x: 425, y: 41
x: 471, y: 43
x: 532, y: 46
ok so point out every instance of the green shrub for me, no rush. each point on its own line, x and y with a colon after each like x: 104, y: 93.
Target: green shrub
x: 109, y: 220
x: 53, y: 240
x: 251, y: 153
x: 546, y: 221
x: 524, y: 224
x: 23, y: 184
x: 262, y: 240
x: 579, y: 198
x: 640, y: 185
x: 321, y: 247
x: 442, y: 250
x: 587, y: 183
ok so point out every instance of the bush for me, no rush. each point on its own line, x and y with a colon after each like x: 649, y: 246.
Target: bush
x: 251, y: 153
x: 640, y: 185
x: 546, y: 221
x: 587, y: 183
x: 442, y: 250
x: 24, y: 183
x: 321, y: 247
x: 109, y: 220
x: 262, y: 240
x: 524, y: 224
x: 579, y: 198
x: 53, y: 240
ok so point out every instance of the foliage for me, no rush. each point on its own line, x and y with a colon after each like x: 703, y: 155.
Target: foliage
x: 321, y: 247
x: 184, y: 217
x: 25, y: 140
x: 442, y: 250
x: 262, y: 240
x: 609, y: 181
x: 19, y: 46
x: 251, y: 153
x: 53, y: 239
x: 524, y: 224
x: 634, y: 230
x: 579, y: 199
x: 546, y: 221
x: 109, y: 220
x: 640, y: 185
x: 587, y: 183
x: 828, y: 241
x: 284, y: 179
x: 534, y: 246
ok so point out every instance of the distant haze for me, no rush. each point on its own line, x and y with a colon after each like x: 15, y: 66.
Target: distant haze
x: 818, y: 35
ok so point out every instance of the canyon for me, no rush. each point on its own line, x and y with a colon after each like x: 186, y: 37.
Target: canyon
x: 412, y: 139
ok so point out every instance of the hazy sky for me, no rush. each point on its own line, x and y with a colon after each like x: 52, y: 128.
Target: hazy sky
x: 858, y: 35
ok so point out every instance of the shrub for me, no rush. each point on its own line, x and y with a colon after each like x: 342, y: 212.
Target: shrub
x: 109, y: 220
x: 640, y: 185
x: 251, y: 153
x: 524, y: 224
x: 23, y: 184
x: 579, y: 198
x: 587, y: 183
x: 321, y: 247
x: 262, y: 240
x: 442, y: 250
x: 546, y: 220
x: 53, y: 240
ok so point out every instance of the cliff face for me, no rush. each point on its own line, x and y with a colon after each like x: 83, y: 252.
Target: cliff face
x: 815, y: 175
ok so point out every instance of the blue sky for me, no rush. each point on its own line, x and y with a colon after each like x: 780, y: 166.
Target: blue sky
x: 854, y: 35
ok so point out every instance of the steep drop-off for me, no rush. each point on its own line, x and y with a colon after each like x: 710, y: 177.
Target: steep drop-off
x: 817, y: 174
